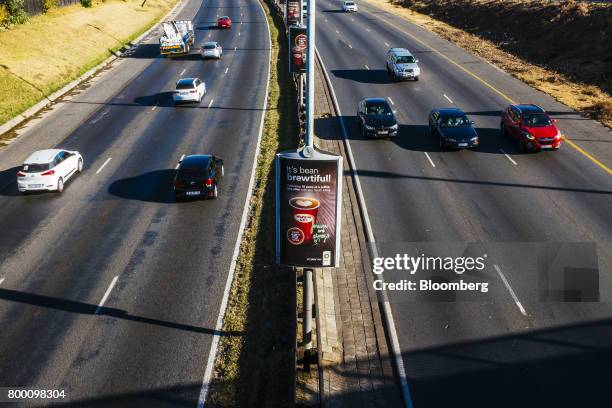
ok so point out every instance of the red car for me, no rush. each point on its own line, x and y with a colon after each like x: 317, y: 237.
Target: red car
x: 224, y: 22
x: 531, y: 127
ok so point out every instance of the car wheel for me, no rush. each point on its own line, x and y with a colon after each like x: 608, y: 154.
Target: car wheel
x: 60, y: 185
x: 80, y: 166
x: 215, y: 193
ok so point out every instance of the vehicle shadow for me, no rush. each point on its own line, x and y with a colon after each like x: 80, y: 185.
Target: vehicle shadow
x: 154, y: 186
x: 161, y: 99
x: 364, y: 76
x: 333, y: 11
x: 142, y: 51
x: 8, y: 182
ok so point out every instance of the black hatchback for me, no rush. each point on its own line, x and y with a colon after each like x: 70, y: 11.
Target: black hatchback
x: 376, y: 118
x: 452, y: 128
x: 197, y: 176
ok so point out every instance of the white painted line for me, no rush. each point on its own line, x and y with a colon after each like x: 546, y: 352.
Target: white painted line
x: 235, y: 48
x: 1, y: 280
x: 337, y: 32
x: 154, y: 107
x: 387, y: 44
x: 211, y: 102
x: 103, y: 165
x: 238, y: 32
x: 182, y: 72
x: 350, y: 46
x: 368, y: 30
x: 429, y: 158
x: 108, y: 291
x: 388, y: 315
x: 103, y: 114
x: 366, y: 67
x: 226, y: 69
x: 212, y: 354
x: 503, y: 278
x: 508, y: 156
x: 390, y: 100
x: 448, y: 99
x: 179, y: 162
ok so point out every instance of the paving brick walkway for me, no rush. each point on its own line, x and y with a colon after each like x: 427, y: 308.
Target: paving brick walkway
x: 358, y: 371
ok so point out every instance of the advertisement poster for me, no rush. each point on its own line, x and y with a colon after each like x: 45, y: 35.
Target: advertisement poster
x: 308, y: 198
x: 297, y: 49
x: 292, y: 12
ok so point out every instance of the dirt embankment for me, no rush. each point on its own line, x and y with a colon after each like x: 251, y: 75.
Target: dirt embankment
x: 571, y: 40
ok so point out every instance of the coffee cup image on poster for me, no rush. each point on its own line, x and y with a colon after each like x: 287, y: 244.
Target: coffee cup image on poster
x: 308, y: 200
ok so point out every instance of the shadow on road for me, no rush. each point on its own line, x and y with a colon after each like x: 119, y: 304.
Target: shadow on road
x: 364, y: 76
x: 154, y: 186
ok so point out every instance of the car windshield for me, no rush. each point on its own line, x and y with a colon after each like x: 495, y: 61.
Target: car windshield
x: 184, y: 85
x: 453, y: 121
x: 378, y: 109
x: 536, y: 119
x: 36, y: 168
x: 187, y: 173
x: 210, y: 47
x: 349, y: 3
x: 405, y: 59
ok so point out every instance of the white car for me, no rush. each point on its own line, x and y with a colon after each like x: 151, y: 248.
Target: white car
x: 48, y: 170
x: 349, y: 6
x: 401, y: 64
x: 211, y: 49
x: 189, y: 90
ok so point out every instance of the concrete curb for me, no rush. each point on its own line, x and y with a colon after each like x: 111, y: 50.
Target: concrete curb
x: 55, y: 96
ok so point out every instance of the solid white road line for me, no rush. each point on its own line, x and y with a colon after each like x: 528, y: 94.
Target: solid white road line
x: 246, y: 209
x: 103, y: 165
x: 183, y: 71
x: 179, y: 162
x: 503, y: 278
x: 366, y: 67
x: 390, y: 100
x: 448, y: 99
x: 226, y: 69
x: 430, y: 161
x: 211, y: 102
x: 508, y: 156
x: 388, y: 315
x: 108, y: 291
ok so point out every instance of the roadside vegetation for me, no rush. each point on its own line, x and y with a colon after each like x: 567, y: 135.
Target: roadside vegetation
x: 50, y: 50
x: 559, y: 47
x: 256, y: 369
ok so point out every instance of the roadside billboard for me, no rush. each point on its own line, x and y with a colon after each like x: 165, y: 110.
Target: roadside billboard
x: 292, y: 12
x: 297, y: 49
x: 308, y: 200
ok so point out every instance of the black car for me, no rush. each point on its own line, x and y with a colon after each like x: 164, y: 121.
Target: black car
x: 198, y: 176
x: 375, y: 118
x: 452, y: 128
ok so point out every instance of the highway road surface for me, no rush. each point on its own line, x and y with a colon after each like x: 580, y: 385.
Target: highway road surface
x: 111, y: 290
x: 507, y: 347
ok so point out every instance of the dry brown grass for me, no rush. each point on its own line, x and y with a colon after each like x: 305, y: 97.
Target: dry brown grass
x: 582, y: 89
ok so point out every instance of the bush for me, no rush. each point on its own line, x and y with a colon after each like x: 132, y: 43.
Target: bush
x: 86, y: 3
x: 48, y: 5
x: 16, y: 12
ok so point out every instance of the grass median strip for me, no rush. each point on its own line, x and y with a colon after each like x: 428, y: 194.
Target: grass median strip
x: 52, y: 49
x: 256, y: 368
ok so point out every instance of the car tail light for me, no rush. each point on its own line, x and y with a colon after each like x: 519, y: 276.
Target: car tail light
x: 209, y: 182
x: 48, y: 173
x: 20, y: 174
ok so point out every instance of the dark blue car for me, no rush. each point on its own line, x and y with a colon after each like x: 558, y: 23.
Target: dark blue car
x: 452, y: 128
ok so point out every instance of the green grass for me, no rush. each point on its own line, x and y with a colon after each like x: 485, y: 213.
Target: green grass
x: 50, y: 50
x: 257, y: 368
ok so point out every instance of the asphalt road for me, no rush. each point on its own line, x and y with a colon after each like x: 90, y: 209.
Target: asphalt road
x: 118, y: 223
x: 512, y: 346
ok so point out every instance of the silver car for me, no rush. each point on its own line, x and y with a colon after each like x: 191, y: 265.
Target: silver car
x: 211, y: 49
x: 401, y: 64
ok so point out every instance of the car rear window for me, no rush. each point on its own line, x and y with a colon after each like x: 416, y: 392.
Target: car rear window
x: 188, y: 173
x: 209, y: 47
x: 36, y: 168
x: 453, y: 121
x: 185, y: 85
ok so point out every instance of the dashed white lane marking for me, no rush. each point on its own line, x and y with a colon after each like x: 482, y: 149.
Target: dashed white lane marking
x: 235, y: 48
x: 366, y: 67
x: 448, y: 99
x: 508, y: 156
x: 1, y: 280
x: 155, y: 107
x: 430, y: 161
x: 387, y: 44
x: 238, y: 32
x: 350, y: 46
x: 108, y: 291
x: 337, y: 32
x: 210, y: 103
x: 226, y: 69
x: 179, y: 162
x: 503, y: 278
x: 103, y: 165
x: 103, y: 114
x: 182, y: 72
x: 390, y: 100
x: 368, y: 30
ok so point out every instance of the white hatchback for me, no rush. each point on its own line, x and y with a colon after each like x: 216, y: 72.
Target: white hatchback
x: 189, y: 90
x: 48, y: 170
x: 211, y: 50
x: 349, y: 6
